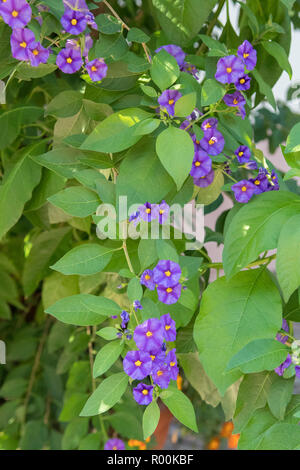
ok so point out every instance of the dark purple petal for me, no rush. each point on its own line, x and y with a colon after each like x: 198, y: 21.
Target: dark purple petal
x: 229, y: 69
x: 213, y: 142
x: 143, y: 394
x: 147, y: 279
x: 206, y: 180
x: 169, y: 295
x: 20, y: 41
x: 166, y: 273
x: 202, y: 164
x: 243, y: 190
x: 247, y: 54
x: 169, y: 326
x: 137, y: 364
x: 69, y: 60
x: 16, y: 13
x: 97, y: 69
x: 243, y: 154
x: 149, y: 335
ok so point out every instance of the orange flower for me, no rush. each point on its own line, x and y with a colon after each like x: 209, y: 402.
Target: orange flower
x: 148, y: 439
x: 142, y: 446
x: 233, y: 441
x: 179, y: 382
x: 227, y: 429
x: 214, y: 444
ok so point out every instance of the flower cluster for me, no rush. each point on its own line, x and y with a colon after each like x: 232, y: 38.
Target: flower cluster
x: 233, y: 69
x: 180, y: 55
x: 17, y: 14
x: 152, y: 357
x: 166, y: 278
x: 149, y: 212
x: 295, y: 349
x: 263, y: 182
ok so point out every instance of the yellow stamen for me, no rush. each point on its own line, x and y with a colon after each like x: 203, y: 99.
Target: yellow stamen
x: 242, y: 81
x: 161, y: 211
x: 167, y: 327
x: 149, y: 334
x: 168, y: 273
x: 172, y: 364
x: 171, y: 102
x: 69, y: 60
x: 115, y: 448
x: 148, y: 210
x: 197, y: 142
x: 244, y: 189
x: 138, y: 363
x: 159, y: 373
x: 74, y: 22
x: 23, y: 44
x: 211, y: 142
x: 14, y: 13
x: 257, y: 182
x: 169, y: 290
x: 245, y: 55
x: 152, y: 357
x: 93, y: 68
x: 241, y: 154
x: 145, y: 392
x: 207, y: 126
x: 147, y: 277
x: 235, y: 101
x: 197, y: 163
x: 35, y: 52
x: 229, y: 70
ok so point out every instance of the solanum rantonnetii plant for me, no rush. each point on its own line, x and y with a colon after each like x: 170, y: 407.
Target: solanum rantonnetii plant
x: 113, y: 123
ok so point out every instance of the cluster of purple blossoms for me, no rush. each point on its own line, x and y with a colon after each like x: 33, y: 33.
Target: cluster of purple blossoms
x: 151, y: 358
x: 122, y: 330
x: 264, y: 181
x: 69, y: 61
x: 165, y: 277
x: 149, y: 212
x: 233, y: 69
x: 288, y: 361
x: 179, y: 55
x: 114, y: 444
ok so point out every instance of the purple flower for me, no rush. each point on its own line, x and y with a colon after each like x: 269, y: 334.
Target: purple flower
x: 135, y: 216
x: 73, y: 22
x: 205, y: 181
x: 166, y: 273
x: 213, y: 142
x: 243, y: 190
x: 137, y: 305
x: 168, y: 99
x: 16, y: 13
x: 149, y: 335
x: 37, y: 54
x: 280, y: 337
x: 243, y: 83
x: 137, y: 364
x: 191, y: 69
x: 197, y: 145
x: 175, y: 51
x: 148, y: 212
x: 247, y: 54
x: 90, y: 19
x: 143, y: 394
x: 169, y: 326
x: 114, y: 444
x: 172, y: 363
x: 236, y: 99
x: 97, y: 69
x: 147, y: 279
x: 161, y: 375
x: 158, y: 357
x: 251, y: 165
x: 125, y: 319
x: 280, y: 369
x: 202, y: 164
x: 163, y: 212
x: 274, y: 179
x: 229, y: 69
x: 210, y: 123
x: 114, y: 317
x: 169, y: 295
x: 78, y: 5
x: 69, y: 60
x: 243, y: 154
x: 261, y: 182
x: 88, y: 44
x: 20, y: 41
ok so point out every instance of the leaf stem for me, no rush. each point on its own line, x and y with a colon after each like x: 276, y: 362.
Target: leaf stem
x: 211, y: 26
x: 258, y: 262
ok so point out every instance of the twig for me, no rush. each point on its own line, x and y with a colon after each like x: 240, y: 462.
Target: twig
x: 258, y: 262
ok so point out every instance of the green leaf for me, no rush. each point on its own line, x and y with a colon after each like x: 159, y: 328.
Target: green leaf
x: 281, y: 436
x: 256, y: 227
x: 65, y: 104
x: 166, y: 250
x: 11, y: 122
x: 278, y: 52
x: 88, y: 258
x: 259, y: 355
x: 76, y: 201
x: 27, y: 72
x: 254, y: 431
x: 137, y: 35
x: 108, y: 24
x: 83, y: 309
x: 164, y: 70
x: 46, y: 249
x: 264, y: 88
x: 175, y: 150
x: 147, y: 252
x: 214, y: 44
x: 280, y: 395
x: 106, y: 357
x: 107, y: 333
x: 181, y: 407
x: 288, y: 3
x: 34, y: 436
x: 288, y: 257
x: 113, y: 45
x: 117, y: 132
x: 150, y: 419
x: 185, y: 105
x: 17, y: 188
x: 134, y: 290
x: 245, y: 308
x: 107, y: 394
x: 293, y: 140
x: 209, y: 194
x: 211, y: 92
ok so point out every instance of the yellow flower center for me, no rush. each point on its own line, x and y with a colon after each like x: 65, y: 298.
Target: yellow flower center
x: 159, y: 373
x: 14, y: 13
x: 148, y: 210
x: 167, y: 327
x: 115, y: 448
x: 235, y: 101
x: 257, y: 182
x: 152, y: 357
x: 161, y: 211
x: 241, y: 154
x: 74, y: 22
x: 145, y: 392
x: 171, y: 102
x: 244, y: 189
x: 93, y: 68
x: 229, y: 70
x: 245, y: 55
x: 23, y: 44
x: 149, y: 334
x: 197, y: 142
x: 172, y: 364
x: 138, y: 363
x: 211, y: 141
x: 169, y: 290
x: 197, y: 163
x: 242, y: 81
x: 147, y: 277
x: 35, y: 52
x: 69, y: 60
x: 207, y: 126
x: 168, y: 273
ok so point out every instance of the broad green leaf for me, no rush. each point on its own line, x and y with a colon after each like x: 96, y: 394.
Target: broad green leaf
x: 175, y: 150
x: 150, y: 419
x: 264, y: 88
x: 254, y: 431
x: 49, y: 184
x: 83, y: 309
x: 35, y: 435
x: 214, y: 44
x: 211, y: 92
x: 185, y: 105
x: 108, y: 24
x: 294, y: 172
x: 26, y: 72
x: 281, y: 436
x: 181, y: 407
x: 259, y: 355
x: 147, y: 252
x: 137, y: 35
x: 107, y: 394
x: 107, y: 333
x: 293, y: 140
x: 73, y: 433
x: 291, y: 311
x: 117, y: 132
x: 47, y: 248
x: 76, y: 201
x: 279, y: 395
x: 209, y: 194
x: 288, y: 257
x: 134, y: 290
x: 62, y: 160
x: 88, y: 258
x: 113, y: 45
x: 278, y: 52
x: 11, y: 122
x: 57, y: 286
x: 65, y: 104
x: 256, y: 227
x: 166, y: 250
x: 17, y: 189
x: 288, y: 3
x: 164, y: 70
x: 245, y: 308
x: 106, y: 357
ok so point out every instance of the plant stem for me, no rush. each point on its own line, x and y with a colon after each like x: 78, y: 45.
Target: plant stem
x: 127, y: 257
x: 258, y: 262
x: 211, y: 26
